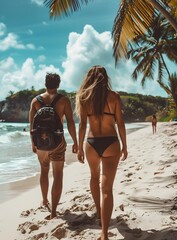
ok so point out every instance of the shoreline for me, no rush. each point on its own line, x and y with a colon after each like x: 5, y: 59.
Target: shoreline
x: 144, y: 197
x: 13, y: 189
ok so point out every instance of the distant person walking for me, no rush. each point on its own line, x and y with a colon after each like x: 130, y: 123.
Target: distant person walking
x: 56, y: 156
x: 99, y: 105
x: 154, y: 123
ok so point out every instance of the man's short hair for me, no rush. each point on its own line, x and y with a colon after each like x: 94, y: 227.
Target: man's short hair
x: 52, y: 80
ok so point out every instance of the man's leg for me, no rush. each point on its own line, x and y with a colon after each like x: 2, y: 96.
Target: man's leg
x: 44, y: 179
x: 44, y: 182
x: 57, y: 185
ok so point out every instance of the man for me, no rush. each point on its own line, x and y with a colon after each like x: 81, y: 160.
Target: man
x: 56, y: 156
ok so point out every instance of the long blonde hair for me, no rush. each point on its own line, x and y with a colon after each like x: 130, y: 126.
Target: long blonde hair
x: 93, y: 91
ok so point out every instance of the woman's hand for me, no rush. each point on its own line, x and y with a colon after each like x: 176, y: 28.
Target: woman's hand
x: 124, y: 154
x: 80, y: 155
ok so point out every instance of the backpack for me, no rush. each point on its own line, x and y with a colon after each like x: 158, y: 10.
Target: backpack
x: 47, y: 130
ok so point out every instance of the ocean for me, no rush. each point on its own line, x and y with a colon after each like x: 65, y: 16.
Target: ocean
x: 17, y: 161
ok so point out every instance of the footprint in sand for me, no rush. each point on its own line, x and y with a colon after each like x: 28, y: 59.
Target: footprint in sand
x: 28, y: 213
x: 27, y: 227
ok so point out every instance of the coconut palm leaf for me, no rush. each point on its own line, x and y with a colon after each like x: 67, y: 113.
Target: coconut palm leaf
x: 64, y: 7
x: 160, y: 70
x: 132, y: 19
x: 173, y: 4
x: 165, y: 87
x: 144, y: 64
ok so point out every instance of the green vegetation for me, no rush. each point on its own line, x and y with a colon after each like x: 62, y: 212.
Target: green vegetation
x: 151, y: 52
x: 135, y: 107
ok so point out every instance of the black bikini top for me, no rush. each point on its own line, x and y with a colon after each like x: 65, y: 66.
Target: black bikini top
x: 106, y: 113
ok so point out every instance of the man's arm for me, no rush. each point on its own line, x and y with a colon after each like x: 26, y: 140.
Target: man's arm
x: 32, y: 113
x: 71, y: 124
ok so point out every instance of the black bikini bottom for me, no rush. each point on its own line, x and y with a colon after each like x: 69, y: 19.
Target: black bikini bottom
x: 101, y: 143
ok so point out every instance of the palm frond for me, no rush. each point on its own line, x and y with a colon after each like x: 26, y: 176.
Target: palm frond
x: 173, y: 5
x: 133, y: 18
x: 64, y: 7
x: 160, y: 70
x: 146, y: 66
x: 148, y: 72
x: 165, y: 87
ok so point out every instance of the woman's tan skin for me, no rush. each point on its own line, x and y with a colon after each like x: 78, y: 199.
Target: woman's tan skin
x: 154, y: 123
x: 100, y: 126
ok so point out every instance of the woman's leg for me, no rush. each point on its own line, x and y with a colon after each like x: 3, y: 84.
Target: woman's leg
x: 109, y: 171
x: 94, y: 164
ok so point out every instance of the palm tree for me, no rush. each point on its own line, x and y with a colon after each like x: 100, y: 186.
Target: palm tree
x: 133, y: 17
x: 153, y: 49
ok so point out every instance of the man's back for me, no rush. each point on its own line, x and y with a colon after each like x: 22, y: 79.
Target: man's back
x: 56, y: 156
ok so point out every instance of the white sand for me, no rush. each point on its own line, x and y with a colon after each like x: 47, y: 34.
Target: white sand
x: 145, y: 202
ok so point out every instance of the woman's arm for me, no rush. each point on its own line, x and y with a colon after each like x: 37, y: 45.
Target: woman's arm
x: 121, y: 127
x: 81, y: 133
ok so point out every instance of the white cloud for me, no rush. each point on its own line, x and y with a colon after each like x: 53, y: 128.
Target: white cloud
x: 2, y: 29
x: 83, y: 51
x: 41, y: 58
x: 44, y: 23
x: 30, y: 32
x: 38, y: 2
x: 30, y: 46
x: 14, y: 78
x: 11, y: 40
x: 92, y: 48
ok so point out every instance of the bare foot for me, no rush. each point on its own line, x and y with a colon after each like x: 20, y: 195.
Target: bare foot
x: 104, y: 237
x: 49, y: 217
x: 46, y: 206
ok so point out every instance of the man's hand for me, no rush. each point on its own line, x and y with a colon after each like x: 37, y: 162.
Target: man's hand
x: 75, y: 148
x: 34, y: 149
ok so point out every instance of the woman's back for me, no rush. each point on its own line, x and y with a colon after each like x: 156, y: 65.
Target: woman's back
x: 104, y: 125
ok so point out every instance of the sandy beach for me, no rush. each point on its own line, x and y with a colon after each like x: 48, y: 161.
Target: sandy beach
x: 145, y: 196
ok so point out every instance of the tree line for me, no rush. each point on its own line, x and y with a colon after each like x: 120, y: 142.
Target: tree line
x: 135, y: 107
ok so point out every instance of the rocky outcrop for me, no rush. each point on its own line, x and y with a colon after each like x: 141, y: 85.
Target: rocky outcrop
x: 14, y: 110
x: 16, y: 107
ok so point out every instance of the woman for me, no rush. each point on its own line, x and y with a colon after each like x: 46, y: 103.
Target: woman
x: 154, y: 123
x: 96, y: 102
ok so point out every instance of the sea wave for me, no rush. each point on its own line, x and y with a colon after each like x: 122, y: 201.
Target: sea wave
x: 13, y: 136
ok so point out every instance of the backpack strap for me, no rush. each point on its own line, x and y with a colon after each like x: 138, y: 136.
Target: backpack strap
x: 56, y: 99
x: 40, y: 100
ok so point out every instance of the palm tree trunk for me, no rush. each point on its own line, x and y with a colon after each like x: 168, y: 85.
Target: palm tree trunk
x: 165, y: 67
x: 173, y: 94
x: 166, y: 14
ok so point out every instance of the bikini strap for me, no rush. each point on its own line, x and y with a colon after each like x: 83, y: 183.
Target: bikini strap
x: 108, y: 106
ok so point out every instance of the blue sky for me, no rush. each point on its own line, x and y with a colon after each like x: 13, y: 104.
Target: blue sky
x: 32, y: 44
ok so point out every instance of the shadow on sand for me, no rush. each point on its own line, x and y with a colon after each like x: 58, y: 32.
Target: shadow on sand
x: 165, y: 206
x: 137, y: 233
